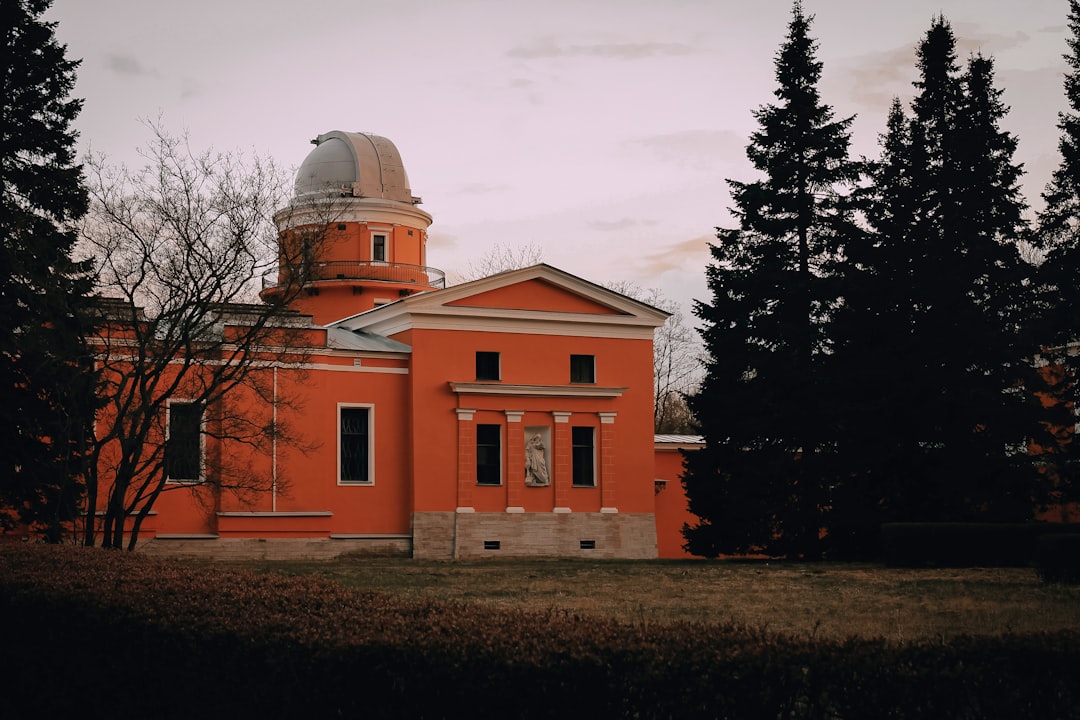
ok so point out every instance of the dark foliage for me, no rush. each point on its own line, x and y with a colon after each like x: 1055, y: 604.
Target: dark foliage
x: 46, y: 379
x: 761, y: 483
x: 939, y: 411
x: 966, y: 544
x: 877, y: 372
x: 1059, y: 557
x: 1059, y: 237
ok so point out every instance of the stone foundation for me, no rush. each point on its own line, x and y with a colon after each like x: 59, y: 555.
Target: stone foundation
x: 476, y: 535
x: 444, y: 536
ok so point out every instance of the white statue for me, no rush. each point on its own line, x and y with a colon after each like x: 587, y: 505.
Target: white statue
x: 536, y: 470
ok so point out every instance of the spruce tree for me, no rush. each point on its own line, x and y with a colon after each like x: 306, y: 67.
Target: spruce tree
x: 1058, y: 235
x: 932, y: 331
x: 761, y: 483
x: 872, y: 347
x: 46, y: 378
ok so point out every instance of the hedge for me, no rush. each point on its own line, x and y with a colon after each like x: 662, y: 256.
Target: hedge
x: 90, y: 633
x: 966, y: 544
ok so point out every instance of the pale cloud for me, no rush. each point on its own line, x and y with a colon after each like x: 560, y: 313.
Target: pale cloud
x: 125, y: 65
x: 970, y: 39
x: 876, y: 78
x: 619, y: 225
x: 547, y: 47
x: 479, y: 189
x: 688, y: 254
x: 698, y: 149
x: 442, y: 242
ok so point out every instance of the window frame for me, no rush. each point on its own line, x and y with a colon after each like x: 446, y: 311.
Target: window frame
x: 385, y: 236
x: 577, y: 450
x: 489, y: 354
x: 370, y: 408
x: 166, y: 463
x: 498, y: 451
x: 578, y: 363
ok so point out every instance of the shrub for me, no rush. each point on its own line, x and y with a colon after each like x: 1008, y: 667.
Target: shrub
x: 1059, y: 558
x: 965, y: 544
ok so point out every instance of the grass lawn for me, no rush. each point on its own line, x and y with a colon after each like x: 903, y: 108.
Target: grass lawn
x: 826, y: 600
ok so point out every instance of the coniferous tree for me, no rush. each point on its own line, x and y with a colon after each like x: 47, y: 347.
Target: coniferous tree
x: 1058, y: 234
x: 761, y: 482
x: 872, y: 339
x: 932, y: 331
x: 46, y: 378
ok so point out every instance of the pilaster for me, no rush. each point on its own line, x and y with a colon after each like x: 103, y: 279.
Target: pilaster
x: 608, y: 494
x: 466, y: 470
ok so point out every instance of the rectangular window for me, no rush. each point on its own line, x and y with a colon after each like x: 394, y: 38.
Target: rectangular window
x: 487, y: 365
x: 488, y: 454
x: 183, y: 444
x: 582, y: 368
x: 583, y: 456
x: 355, y: 445
x: 378, y: 248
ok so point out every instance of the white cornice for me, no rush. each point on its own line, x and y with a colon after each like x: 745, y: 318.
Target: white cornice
x: 362, y: 210
x: 521, y: 322
x: 586, y: 391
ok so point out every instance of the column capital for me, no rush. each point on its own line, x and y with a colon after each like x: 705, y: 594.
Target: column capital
x: 607, y: 418
x: 561, y: 416
x: 514, y: 416
x: 464, y: 414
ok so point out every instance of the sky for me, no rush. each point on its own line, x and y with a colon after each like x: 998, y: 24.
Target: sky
x: 599, y: 132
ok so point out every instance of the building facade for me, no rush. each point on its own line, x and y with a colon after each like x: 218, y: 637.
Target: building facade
x: 511, y: 415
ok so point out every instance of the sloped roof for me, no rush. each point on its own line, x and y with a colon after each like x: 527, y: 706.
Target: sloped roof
x: 343, y: 339
x: 679, y: 439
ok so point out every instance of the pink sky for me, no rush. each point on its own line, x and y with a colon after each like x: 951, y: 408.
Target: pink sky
x: 601, y: 131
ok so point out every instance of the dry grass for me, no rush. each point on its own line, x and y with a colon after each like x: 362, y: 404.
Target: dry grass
x: 810, y: 600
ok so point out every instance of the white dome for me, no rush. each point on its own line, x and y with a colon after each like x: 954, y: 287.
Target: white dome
x: 357, y: 165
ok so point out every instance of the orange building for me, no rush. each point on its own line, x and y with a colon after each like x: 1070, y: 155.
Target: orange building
x: 510, y: 415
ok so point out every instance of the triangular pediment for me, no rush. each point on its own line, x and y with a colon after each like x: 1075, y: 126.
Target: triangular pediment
x: 536, y: 294
x: 536, y: 299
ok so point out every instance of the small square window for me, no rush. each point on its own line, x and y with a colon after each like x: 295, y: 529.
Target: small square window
x: 378, y: 248
x: 583, y: 368
x: 487, y: 365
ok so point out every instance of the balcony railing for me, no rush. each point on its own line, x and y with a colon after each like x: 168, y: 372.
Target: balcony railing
x: 357, y: 270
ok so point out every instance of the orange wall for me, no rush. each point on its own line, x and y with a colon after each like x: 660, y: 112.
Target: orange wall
x: 440, y: 356
x: 671, y: 511
x: 306, y: 469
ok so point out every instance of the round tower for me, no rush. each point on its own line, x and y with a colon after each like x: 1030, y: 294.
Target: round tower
x: 353, y: 237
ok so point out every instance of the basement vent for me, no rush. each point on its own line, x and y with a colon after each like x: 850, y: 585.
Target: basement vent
x: 341, y: 226
x: 492, y: 545
x: 588, y: 544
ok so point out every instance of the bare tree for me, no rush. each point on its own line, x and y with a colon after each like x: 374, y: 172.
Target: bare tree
x: 676, y: 361
x: 501, y: 257
x: 190, y: 358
